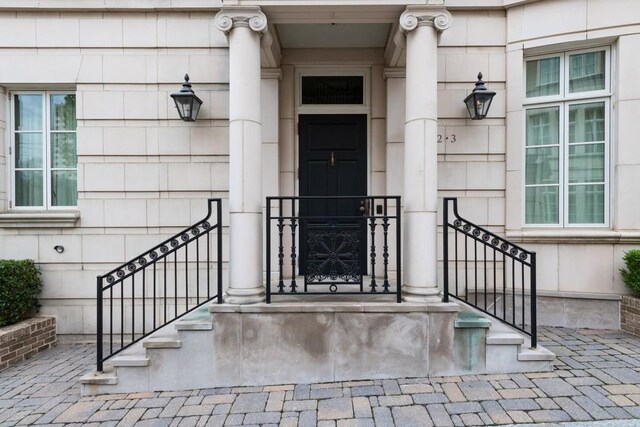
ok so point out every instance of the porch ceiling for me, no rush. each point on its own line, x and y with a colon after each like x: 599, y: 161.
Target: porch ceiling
x: 333, y: 35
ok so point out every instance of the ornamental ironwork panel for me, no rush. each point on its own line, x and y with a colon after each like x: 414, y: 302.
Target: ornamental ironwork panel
x: 333, y: 254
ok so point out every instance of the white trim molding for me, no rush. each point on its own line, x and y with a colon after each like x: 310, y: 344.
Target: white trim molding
x: 394, y: 73
x: 43, y: 219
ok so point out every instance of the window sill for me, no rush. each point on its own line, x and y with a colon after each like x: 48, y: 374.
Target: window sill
x: 573, y: 236
x: 40, y: 219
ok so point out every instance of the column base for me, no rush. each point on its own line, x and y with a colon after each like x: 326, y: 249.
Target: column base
x: 419, y: 294
x: 245, y: 296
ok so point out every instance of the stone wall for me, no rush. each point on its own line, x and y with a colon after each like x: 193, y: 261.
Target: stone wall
x: 630, y: 314
x: 25, y: 339
x: 143, y: 174
x: 570, y: 259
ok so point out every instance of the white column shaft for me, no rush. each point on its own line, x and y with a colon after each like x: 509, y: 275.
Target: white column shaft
x: 420, y: 165
x: 245, y: 167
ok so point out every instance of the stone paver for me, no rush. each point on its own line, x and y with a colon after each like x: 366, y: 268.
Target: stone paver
x: 597, y: 377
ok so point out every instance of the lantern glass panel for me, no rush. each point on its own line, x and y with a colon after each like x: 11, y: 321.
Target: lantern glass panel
x: 195, y: 109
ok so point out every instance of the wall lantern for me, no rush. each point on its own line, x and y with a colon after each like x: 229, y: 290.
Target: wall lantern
x: 479, y: 101
x: 187, y: 103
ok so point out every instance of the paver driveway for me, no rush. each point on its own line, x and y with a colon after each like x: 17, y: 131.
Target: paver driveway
x: 597, y: 377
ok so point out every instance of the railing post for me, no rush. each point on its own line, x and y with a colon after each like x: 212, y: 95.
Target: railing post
x: 534, y: 314
x: 219, y: 221
x: 445, y: 250
x: 268, y: 251
x: 99, y: 323
x: 398, y: 253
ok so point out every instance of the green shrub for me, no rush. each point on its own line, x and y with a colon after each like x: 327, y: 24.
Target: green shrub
x: 20, y: 285
x: 631, y: 275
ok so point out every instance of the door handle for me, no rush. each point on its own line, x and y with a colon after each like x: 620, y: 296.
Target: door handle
x: 332, y: 160
x: 364, y: 207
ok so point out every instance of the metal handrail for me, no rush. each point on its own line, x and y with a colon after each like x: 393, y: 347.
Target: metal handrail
x: 386, y: 218
x: 138, y: 266
x: 521, y: 260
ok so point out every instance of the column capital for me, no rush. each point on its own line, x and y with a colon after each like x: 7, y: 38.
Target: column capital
x: 436, y: 17
x: 231, y: 17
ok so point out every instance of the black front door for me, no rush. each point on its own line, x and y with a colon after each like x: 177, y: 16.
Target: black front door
x: 333, y: 163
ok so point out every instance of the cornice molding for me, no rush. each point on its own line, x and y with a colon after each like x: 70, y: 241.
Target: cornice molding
x: 394, y: 73
x: 271, y: 73
x: 231, y: 17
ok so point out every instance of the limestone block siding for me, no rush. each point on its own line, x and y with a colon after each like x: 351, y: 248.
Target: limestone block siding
x: 26, y: 339
x: 143, y: 174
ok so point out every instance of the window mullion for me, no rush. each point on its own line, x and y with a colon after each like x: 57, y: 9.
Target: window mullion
x: 607, y: 156
x: 564, y: 167
x: 47, y: 142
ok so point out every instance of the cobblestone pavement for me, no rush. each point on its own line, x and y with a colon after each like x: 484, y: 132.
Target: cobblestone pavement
x: 597, y: 377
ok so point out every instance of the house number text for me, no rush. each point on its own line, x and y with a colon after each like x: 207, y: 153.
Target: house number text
x: 451, y: 138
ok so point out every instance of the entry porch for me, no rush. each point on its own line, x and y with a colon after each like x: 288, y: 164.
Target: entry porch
x: 325, y: 198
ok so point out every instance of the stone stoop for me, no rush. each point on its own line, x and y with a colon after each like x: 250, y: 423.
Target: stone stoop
x: 260, y: 344
x: 486, y: 345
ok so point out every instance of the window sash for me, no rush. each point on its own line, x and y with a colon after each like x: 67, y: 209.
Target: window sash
x: 592, y: 66
x: 45, y: 199
x: 568, y: 190
x: 545, y: 74
x: 565, y: 92
x: 572, y: 217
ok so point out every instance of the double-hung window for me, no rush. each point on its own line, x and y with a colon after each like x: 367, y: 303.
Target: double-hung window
x: 43, y: 147
x: 567, y: 109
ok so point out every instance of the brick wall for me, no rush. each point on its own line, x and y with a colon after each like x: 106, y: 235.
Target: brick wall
x: 25, y: 339
x: 630, y: 315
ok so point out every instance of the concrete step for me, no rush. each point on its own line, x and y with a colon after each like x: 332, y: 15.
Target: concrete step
x: 198, y: 320
x: 134, y: 359
x: 507, y: 349
x: 167, y: 341
x: 194, y: 325
x: 107, y: 377
x: 504, y: 338
x: 535, y: 354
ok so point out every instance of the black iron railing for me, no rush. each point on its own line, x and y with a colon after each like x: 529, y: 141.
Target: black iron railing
x: 159, y: 286
x: 333, y: 245
x: 489, y: 272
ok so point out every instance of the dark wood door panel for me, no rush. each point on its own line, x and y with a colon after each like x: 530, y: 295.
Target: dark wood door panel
x: 333, y: 163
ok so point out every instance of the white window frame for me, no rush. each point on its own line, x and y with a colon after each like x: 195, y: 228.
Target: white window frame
x: 333, y: 108
x: 46, y: 155
x: 564, y: 100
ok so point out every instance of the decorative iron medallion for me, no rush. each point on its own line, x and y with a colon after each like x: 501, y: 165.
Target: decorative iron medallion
x: 333, y: 254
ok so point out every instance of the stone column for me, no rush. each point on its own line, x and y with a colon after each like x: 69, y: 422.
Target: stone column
x: 421, y: 26
x: 244, y: 27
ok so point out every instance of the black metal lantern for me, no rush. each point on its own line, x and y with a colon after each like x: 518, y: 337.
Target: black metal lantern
x: 187, y: 103
x: 479, y: 101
